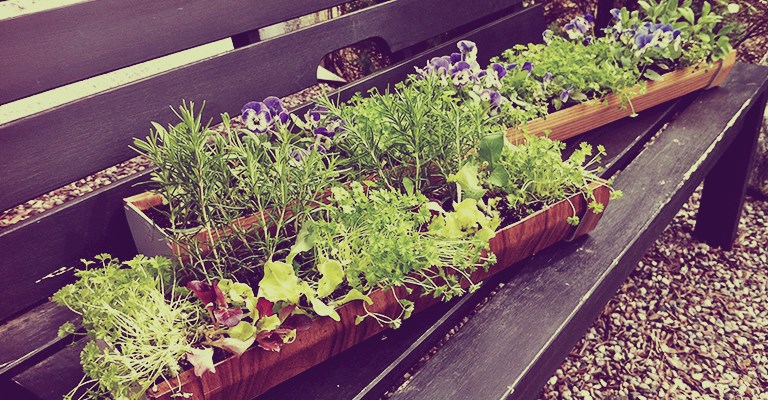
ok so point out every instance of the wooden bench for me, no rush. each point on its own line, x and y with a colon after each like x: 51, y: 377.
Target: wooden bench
x: 510, y: 347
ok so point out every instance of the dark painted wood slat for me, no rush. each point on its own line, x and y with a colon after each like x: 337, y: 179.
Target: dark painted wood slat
x: 35, y: 251
x: 56, y: 375
x: 518, y: 339
x: 97, y: 224
x: 46, y: 151
x: 726, y: 185
x: 33, y: 333
x: 118, y: 33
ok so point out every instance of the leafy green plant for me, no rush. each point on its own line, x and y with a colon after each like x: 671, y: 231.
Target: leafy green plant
x: 377, y: 238
x: 139, y: 325
x: 531, y: 175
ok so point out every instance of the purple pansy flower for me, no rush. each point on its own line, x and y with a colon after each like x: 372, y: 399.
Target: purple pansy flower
x: 548, y: 35
x: 578, y: 27
x: 566, y: 94
x: 256, y: 117
x: 466, y: 47
x: 528, y: 66
x: 511, y: 67
x: 455, y: 57
x: 492, y: 97
x: 547, y: 78
x: 589, y: 18
x: 500, y: 71
x: 616, y: 13
x: 276, y: 109
x: 461, y: 74
x: 587, y: 40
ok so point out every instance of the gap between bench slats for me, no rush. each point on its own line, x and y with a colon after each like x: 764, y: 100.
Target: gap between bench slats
x: 516, y: 341
x: 58, y: 146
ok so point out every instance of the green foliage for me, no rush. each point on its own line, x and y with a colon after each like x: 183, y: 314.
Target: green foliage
x: 209, y: 180
x: 419, y: 131
x: 138, y: 324
x: 584, y: 72
x: 533, y: 174
x: 375, y: 238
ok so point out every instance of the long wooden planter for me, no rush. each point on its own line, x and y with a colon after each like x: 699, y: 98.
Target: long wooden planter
x: 589, y: 115
x: 258, y: 370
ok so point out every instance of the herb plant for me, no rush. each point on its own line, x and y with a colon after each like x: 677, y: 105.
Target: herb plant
x: 139, y: 325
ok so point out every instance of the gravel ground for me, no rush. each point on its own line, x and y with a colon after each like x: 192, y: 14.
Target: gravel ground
x: 690, y: 323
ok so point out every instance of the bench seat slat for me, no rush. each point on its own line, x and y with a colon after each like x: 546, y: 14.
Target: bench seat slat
x: 31, y: 334
x: 518, y: 339
x: 36, y: 253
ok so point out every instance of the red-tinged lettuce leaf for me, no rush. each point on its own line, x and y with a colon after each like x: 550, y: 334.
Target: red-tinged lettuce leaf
x: 209, y: 294
x: 228, y: 317
x: 265, y: 307
x: 274, y: 340
x: 202, y: 360
x: 286, y: 311
x: 269, y: 340
x: 300, y: 322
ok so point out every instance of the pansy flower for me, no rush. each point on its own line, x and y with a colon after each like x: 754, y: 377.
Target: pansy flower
x: 566, y: 94
x: 547, y: 79
x: 578, y: 27
x: 256, y: 116
x: 528, y: 66
x: 461, y: 74
x: 276, y: 109
x: 548, y: 35
x: 468, y: 49
x: 492, y: 97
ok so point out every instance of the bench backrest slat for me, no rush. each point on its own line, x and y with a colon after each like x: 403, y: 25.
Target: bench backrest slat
x: 67, y: 44
x: 50, y: 149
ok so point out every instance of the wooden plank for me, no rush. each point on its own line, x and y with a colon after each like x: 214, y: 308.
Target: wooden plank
x: 724, y: 188
x: 46, y: 151
x: 518, y: 339
x: 32, y: 334
x: 96, y: 223
x: 119, y: 33
x: 37, y: 252
x: 56, y: 375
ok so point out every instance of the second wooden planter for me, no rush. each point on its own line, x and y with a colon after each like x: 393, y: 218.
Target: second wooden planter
x: 592, y: 114
x: 258, y: 370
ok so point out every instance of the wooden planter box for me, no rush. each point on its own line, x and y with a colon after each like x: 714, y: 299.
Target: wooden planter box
x: 592, y: 114
x: 258, y: 370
